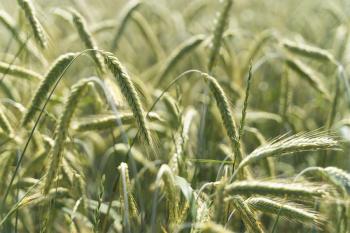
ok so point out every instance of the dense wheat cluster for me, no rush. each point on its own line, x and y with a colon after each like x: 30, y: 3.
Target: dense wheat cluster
x: 174, y: 116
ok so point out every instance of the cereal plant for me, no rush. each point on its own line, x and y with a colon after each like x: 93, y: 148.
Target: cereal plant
x: 174, y: 116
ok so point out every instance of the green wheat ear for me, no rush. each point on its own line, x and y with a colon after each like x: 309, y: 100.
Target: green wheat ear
x: 87, y: 38
x: 308, y: 75
x: 129, y: 92
x: 312, y: 141
x: 220, y: 26
x: 308, y: 51
x: 4, y: 123
x: 305, y: 190
x: 226, y: 114
x: 61, y: 131
x: 131, y: 213
x: 38, y: 31
x: 290, y: 211
x: 176, y: 55
x: 247, y: 215
x: 18, y: 71
x: 52, y: 76
x: 126, y: 13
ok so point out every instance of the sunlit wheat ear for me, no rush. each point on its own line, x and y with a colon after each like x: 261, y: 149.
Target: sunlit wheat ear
x: 52, y: 76
x: 30, y: 14
x: 86, y: 37
x: 253, y: 187
x: 7, y: 161
x: 97, y: 210
x: 225, y: 112
x: 220, y: 207
x: 126, y: 198
x: 256, y: 46
x: 308, y: 51
x: 4, y: 123
x: 176, y: 55
x: 211, y: 227
x: 18, y: 71
x: 219, y: 29
x: 308, y: 74
x: 245, y: 105
x: 128, y: 90
x: 247, y: 216
x: 61, y: 132
x: 290, y: 211
x: 8, y: 22
x: 78, y: 186
x: 39, y: 198
x: 312, y: 141
x: 103, y: 122
x: 10, y: 25
x: 148, y: 34
x: 123, y: 19
x: 339, y: 177
x: 166, y: 176
x: 333, y: 175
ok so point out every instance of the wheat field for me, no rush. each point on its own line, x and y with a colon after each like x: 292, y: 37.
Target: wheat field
x: 174, y: 116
